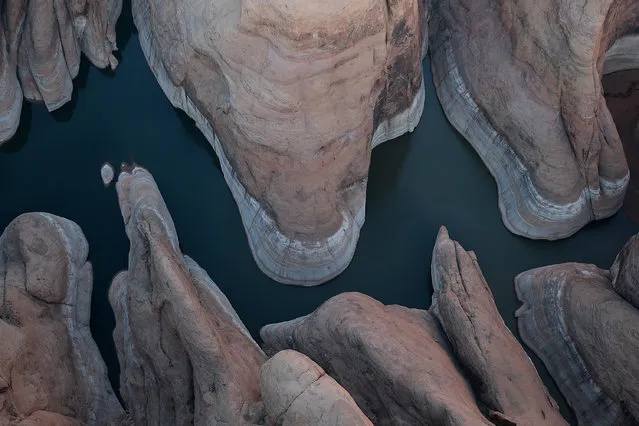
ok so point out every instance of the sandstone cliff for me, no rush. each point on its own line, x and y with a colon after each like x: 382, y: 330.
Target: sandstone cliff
x: 582, y: 322
x: 293, y: 95
x: 51, y: 372
x: 41, y: 42
x: 521, y: 80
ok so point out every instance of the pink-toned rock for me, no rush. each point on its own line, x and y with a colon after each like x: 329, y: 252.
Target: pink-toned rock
x: 41, y: 42
x: 297, y: 391
x: 586, y: 335
x: 293, y: 95
x: 503, y: 376
x: 51, y: 372
x: 521, y: 80
x: 185, y: 356
x: 392, y: 360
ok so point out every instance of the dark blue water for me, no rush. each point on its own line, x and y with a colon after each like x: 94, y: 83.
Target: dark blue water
x: 417, y: 183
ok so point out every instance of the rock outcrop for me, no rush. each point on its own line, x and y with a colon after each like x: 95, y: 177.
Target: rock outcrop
x: 402, y: 366
x: 623, y: 55
x: 582, y: 322
x: 503, y: 376
x: 185, y: 356
x: 51, y: 372
x: 41, y: 42
x: 297, y: 391
x: 521, y: 81
x: 293, y: 95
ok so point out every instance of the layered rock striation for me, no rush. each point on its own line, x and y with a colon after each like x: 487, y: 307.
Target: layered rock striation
x: 582, y: 322
x: 41, y: 42
x: 454, y: 364
x: 293, y: 96
x: 521, y: 81
x: 51, y: 372
x: 185, y: 356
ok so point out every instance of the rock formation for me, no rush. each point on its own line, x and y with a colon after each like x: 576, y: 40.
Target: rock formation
x: 51, y: 372
x: 521, y: 81
x: 406, y: 355
x: 293, y: 95
x: 185, y: 356
x: 297, y: 391
x: 41, y: 42
x: 623, y: 55
x: 503, y: 376
x: 582, y: 322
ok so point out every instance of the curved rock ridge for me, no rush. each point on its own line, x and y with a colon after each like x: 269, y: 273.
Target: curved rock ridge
x: 41, y: 42
x: 623, y: 55
x: 413, y: 359
x: 51, y: 372
x: 521, y: 81
x: 185, y: 356
x: 292, y: 95
x: 503, y: 376
x: 585, y: 333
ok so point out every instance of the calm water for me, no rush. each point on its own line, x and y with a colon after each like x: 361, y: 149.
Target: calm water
x: 417, y: 183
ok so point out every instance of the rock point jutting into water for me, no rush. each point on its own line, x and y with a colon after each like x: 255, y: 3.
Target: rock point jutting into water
x: 41, y: 42
x: 292, y: 95
x: 107, y: 174
x: 582, y: 322
x: 414, y: 359
x: 185, y: 356
x: 51, y: 372
x: 521, y: 80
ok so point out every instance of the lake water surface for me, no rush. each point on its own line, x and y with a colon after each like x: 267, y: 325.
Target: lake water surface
x: 417, y: 183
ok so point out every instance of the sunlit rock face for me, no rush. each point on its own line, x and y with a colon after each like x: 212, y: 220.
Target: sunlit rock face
x: 41, y: 42
x: 521, y: 81
x: 582, y: 322
x: 185, y: 356
x: 293, y: 95
x: 409, y: 366
x: 51, y: 372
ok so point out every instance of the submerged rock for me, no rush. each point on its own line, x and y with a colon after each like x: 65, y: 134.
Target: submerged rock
x: 586, y: 335
x: 51, y: 372
x: 41, y: 42
x: 521, y: 81
x: 503, y: 376
x: 292, y: 95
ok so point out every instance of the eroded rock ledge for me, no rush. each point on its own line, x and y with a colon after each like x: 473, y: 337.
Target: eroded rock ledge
x: 41, y: 42
x: 413, y: 359
x: 185, y: 356
x: 51, y: 372
x: 521, y: 81
x: 293, y: 95
x: 582, y: 322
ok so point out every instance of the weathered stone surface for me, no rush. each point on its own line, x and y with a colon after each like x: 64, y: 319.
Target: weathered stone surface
x: 51, y: 372
x: 503, y: 376
x: 185, y: 356
x: 293, y: 95
x: 586, y: 335
x: 521, y: 81
x: 41, y: 42
x: 297, y: 391
x: 623, y: 55
x: 625, y: 272
x: 391, y: 359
